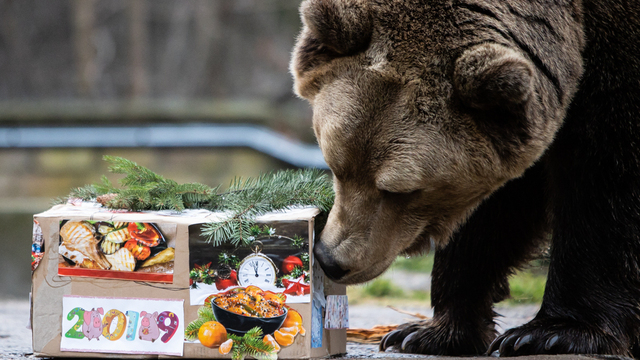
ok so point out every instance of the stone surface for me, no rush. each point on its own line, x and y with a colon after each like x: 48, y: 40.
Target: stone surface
x: 15, y: 338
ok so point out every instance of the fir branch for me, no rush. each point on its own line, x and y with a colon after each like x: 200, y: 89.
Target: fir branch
x: 142, y: 189
x: 205, y: 314
x: 276, y: 191
x: 191, y: 331
x: 251, y: 344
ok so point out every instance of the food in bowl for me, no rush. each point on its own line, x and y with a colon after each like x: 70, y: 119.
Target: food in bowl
x: 251, y: 301
x: 241, y: 309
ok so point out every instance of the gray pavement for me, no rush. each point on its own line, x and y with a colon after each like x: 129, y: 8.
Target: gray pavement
x: 15, y: 338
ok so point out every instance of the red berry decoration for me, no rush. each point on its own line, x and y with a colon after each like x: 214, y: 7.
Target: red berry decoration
x: 222, y: 284
x: 290, y: 263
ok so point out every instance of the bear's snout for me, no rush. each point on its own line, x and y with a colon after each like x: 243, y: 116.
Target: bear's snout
x: 328, y: 263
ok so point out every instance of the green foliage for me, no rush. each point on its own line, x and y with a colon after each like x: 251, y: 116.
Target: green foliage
x: 305, y: 260
x: 142, y: 189
x: 251, y: 344
x: 421, y: 264
x: 527, y: 287
x: 251, y: 197
x: 228, y: 259
x: 383, y: 288
x: 297, y: 241
x: 202, y: 273
x: 206, y: 313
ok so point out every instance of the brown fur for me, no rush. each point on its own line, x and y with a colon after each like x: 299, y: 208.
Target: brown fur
x: 413, y: 122
x: 484, y: 125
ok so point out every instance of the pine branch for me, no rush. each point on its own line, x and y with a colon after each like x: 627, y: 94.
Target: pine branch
x: 191, y: 331
x: 274, y: 191
x: 142, y: 189
x: 251, y: 344
x: 205, y: 314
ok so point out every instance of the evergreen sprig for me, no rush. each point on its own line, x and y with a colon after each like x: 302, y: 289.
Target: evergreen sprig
x: 251, y: 197
x: 142, y: 189
x: 205, y: 314
x: 251, y: 344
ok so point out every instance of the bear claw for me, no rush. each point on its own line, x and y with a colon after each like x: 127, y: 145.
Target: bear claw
x: 433, y: 338
x: 549, y: 337
x: 407, y: 340
x: 551, y: 342
x: 389, y: 339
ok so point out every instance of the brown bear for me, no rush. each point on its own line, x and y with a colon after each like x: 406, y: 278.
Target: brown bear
x: 484, y: 126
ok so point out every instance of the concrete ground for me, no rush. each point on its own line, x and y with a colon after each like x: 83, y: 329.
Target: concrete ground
x: 15, y: 338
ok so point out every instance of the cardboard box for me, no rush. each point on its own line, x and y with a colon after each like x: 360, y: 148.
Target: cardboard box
x: 82, y: 307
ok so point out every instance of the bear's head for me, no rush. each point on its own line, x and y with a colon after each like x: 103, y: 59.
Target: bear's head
x: 422, y: 110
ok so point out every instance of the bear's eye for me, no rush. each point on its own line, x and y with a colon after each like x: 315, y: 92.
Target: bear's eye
x: 398, y: 192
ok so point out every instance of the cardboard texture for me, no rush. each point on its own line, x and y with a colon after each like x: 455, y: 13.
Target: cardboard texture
x: 153, y: 292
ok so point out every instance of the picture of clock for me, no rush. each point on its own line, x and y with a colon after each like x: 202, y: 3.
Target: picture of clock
x: 257, y: 269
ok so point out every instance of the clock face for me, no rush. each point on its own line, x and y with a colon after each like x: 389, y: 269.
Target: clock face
x: 256, y: 270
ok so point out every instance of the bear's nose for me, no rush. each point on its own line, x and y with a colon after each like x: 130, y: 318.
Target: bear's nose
x: 327, y: 262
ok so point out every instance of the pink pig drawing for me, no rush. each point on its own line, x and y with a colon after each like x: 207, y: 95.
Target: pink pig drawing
x: 92, y: 326
x: 149, y: 326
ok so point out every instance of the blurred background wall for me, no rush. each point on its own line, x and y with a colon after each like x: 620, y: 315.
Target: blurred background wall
x: 95, y: 63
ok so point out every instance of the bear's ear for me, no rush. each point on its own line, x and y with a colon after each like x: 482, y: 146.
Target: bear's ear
x: 489, y: 76
x: 344, y: 26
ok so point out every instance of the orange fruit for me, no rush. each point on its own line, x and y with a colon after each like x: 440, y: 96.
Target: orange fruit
x: 268, y: 339
x: 284, y: 338
x: 294, y: 319
x: 211, y: 334
x: 225, y: 347
x: 293, y: 330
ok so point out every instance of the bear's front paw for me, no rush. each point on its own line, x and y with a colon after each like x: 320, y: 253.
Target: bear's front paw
x: 437, y: 338
x: 555, y: 336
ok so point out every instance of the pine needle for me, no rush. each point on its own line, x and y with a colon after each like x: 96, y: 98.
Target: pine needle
x: 142, y: 189
x: 251, y: 344
x: 205, y: 314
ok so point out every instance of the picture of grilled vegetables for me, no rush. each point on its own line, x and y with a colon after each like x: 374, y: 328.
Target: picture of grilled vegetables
x: 118, y: 236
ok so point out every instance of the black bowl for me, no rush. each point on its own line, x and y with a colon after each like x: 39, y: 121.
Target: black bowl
x: 239, y: 324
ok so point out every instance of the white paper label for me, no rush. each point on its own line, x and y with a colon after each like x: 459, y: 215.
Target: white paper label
x: 122, y: 325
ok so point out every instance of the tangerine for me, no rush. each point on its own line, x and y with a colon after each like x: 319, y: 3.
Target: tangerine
x: 225, y: 347
x: 292, y: 330
x: 284, y: 338
x: 268, y: 339
x: 211, y: 334
x: 294, y: 319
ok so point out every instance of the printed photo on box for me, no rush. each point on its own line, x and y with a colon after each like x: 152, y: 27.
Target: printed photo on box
x: 276, y: 260
x: 137, y: 251
x: 337, y: 312
x: 37, y: 246
x: 125, y: 325
x: 249, y: 320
